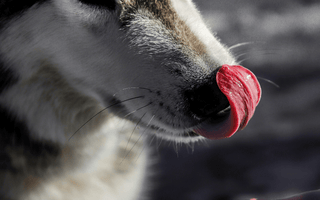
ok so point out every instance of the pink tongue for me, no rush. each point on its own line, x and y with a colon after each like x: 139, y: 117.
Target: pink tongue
x: 243, y: 92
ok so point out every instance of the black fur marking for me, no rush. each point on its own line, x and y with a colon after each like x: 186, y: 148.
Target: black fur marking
x: 116, y: 106
x: 7, y: 77
x: 10, y: 8
x: 110, y: 4
x: 15, y: 137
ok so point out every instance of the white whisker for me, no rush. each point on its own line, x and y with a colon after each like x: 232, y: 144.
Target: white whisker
x: 154, y: 135
x: 130, y: 139
x: 158, y: 145
x: 133, y: 132
x: 240, y: 45
x: 143, y: 134
x: 136, y: 142
x: 269, y: 81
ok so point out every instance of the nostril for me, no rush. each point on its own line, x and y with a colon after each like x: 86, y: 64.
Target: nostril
x: 206, y: 99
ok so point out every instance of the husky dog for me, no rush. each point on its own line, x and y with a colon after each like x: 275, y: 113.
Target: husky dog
x: 83, y: 82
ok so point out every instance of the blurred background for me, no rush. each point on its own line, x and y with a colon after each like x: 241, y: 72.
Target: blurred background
x: 278, y: 153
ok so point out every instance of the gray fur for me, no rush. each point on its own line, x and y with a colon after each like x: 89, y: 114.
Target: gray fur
x: 87, y: 83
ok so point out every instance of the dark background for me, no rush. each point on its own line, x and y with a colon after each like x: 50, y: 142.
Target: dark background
x: 278, y: 153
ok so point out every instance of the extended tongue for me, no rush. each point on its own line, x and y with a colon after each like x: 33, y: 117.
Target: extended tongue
x: 243, y: 92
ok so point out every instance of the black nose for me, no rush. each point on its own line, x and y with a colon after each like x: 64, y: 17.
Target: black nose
x: 205, y: 99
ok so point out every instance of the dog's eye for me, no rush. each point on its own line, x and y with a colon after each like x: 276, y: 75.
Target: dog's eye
x: 110, y: 4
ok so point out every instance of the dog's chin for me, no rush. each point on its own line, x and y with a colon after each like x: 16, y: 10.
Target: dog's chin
x: 187, y: 135
x: 183, y: 136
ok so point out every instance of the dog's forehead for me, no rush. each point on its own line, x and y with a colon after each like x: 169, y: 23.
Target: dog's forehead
x: 154, y: 6
x: 162, y: 10
x: 167, y: 13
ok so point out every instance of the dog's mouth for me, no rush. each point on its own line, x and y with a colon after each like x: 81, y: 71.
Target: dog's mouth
x: 210, y: 123
x: 243, y: 92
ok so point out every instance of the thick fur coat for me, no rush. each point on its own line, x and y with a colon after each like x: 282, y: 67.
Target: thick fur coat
x: 83, y: 83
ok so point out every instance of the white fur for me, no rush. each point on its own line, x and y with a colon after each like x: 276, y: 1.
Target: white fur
x: 68, y: 72
x: 215, y: 49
